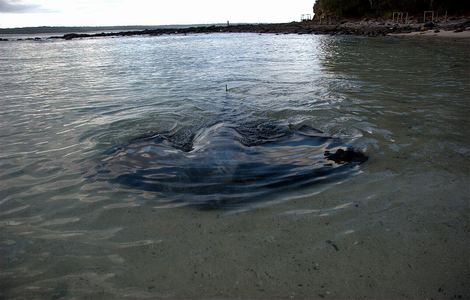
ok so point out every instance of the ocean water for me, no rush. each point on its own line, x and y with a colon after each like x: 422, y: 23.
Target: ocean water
x: 200, y: 166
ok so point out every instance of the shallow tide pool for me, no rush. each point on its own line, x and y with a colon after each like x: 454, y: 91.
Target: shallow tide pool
x: 200, y: 166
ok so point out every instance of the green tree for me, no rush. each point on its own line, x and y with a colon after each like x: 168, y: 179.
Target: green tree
x: 358, y: 8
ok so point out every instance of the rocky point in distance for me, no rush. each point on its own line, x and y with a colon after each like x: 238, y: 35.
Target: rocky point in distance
x: 356, y: 17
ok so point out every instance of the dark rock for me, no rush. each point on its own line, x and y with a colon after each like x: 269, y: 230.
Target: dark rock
x: 429, y: 25
x: 3, y: 40
x: 332, y: 245
x: 459, y: 30
x: 71, y: 36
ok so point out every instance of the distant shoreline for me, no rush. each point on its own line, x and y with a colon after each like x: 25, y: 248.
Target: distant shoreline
x: 88, y: 29
x: 363, y: 27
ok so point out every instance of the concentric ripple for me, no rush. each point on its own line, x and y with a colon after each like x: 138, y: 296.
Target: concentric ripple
x: 226, y: 166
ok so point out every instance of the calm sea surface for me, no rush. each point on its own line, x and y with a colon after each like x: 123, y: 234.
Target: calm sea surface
x: 197, y: 166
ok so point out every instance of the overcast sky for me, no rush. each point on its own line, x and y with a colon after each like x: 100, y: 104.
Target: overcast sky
x: 21, y: 13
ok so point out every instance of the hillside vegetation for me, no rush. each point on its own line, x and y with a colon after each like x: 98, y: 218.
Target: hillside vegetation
x: 362, y: 8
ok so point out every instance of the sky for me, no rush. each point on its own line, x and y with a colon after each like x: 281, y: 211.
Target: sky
x: 24, y: 13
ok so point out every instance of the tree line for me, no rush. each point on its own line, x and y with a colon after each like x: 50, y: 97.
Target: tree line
x: 360, y: 8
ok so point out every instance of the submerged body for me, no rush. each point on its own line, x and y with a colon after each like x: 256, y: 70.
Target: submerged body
x: 226, y: 166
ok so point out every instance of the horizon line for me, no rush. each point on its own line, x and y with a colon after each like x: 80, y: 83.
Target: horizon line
x: 135, y: 25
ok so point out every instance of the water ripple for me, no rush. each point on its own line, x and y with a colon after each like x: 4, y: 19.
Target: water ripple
x: 225, y: 165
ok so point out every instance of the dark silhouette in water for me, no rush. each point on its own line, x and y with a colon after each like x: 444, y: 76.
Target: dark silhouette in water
x: 346, y: 156
x: 227, y: 166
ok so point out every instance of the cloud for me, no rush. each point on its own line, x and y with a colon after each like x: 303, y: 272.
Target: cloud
x: 18, y: 7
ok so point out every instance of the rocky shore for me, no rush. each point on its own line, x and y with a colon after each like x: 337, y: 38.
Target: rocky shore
x: 365, y: 27
x: 346, y: 27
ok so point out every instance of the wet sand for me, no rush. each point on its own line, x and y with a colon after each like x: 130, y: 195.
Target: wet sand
x: 433, y: 33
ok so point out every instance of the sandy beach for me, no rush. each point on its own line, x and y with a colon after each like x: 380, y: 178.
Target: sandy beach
x: 436, y: 33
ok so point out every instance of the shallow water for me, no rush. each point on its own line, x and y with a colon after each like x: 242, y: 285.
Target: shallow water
x: 104, y: 142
